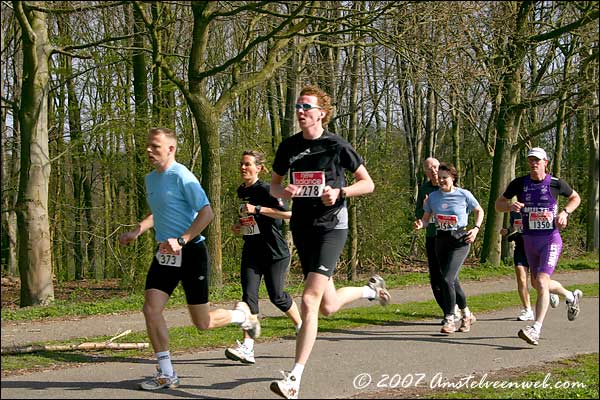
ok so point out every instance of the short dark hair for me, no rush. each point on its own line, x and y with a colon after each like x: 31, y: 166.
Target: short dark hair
x: 450, y: 169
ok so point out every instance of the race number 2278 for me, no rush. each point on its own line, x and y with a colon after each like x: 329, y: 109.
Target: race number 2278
x: 310, y: 183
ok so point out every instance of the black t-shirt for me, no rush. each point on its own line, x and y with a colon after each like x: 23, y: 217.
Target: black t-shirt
x: 329, y: 153
x: 269, y: 243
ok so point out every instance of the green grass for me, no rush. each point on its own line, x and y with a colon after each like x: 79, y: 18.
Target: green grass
x: 232, y: 291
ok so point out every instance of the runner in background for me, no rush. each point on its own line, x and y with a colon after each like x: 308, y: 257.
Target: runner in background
x: 450, y: 207
x: 537, y: 201
x: 430, y: 167
x: 265, y: 252
x: 515, y: 235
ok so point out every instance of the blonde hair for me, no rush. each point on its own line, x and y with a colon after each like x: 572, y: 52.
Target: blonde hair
x: 323, y: 100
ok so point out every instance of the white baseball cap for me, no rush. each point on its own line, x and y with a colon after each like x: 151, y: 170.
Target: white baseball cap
x: 537, y: 152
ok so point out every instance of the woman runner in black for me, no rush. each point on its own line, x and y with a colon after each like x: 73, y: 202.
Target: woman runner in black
x: 265, y: 251
x: 316, y: 160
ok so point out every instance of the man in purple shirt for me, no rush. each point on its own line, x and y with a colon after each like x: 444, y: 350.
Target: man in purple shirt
x: 537, y: 201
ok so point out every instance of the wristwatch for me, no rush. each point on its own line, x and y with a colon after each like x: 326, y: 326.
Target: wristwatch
x: 342, y: 194
x: 257, y: 210
x: 181, y: 241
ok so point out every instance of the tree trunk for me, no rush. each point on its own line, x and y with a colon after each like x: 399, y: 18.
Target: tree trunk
x: 291, y: 93
x: 272, y: 102
x: 590, y: 115
x: 207, y: 123
x: 10, y: 160
x: 35, y: 257
x: 507, y: 130
x: 352, y: 272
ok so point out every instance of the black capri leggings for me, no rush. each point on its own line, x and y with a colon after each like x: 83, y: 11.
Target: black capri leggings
x: 451, y: 254
x: 274, y: 271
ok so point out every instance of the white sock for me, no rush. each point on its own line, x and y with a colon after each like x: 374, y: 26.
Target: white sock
x: 298, y: 327
x: 297, y: 371
x: 237, y: 316
x: 466, y: 312
x: 164, y: 362
x: 537, y: 326
x: 569, y: 297
x: 369, y: 293
x: 249, y: 343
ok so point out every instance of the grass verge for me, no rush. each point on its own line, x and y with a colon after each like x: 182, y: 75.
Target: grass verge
x: 232, y: 291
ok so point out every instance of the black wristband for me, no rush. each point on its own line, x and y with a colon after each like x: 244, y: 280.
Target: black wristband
x: 568, y: 213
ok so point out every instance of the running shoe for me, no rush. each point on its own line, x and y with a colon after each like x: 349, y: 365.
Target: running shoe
x: 526, y: 315
x: 530, y: 335
x: 465, y: 324
x: 449, y: 326
x: 457, y: 313
x: 288, y: 387
x: 159, y: 381
x: 251, y: 324
x: 573, y: 307
x: 554, y: 300
x: 377, y: 283
x: 240, y: 353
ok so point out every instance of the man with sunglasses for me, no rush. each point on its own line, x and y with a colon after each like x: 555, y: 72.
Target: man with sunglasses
x: 316, y: 159
x: 537, y: 202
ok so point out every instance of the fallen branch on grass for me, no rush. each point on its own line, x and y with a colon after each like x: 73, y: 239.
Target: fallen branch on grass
x: 81, y: 346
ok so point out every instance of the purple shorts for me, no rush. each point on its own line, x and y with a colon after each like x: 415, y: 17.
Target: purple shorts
x: 542, y: 252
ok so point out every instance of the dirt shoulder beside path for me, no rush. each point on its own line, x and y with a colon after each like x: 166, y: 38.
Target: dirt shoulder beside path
x: 23, y: 333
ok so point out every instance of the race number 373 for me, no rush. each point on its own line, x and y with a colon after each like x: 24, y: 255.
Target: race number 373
x: 168, y: 259
x: 311, y: 183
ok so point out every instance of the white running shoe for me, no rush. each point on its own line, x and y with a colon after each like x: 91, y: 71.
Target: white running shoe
x: 530, y: 335
x: 526, y: 315
x: 288, y: 387
x: 449, y: 326
x: 240, y: 353
x: 251, y: 324
x: 573, y: 307
x: 377, y: 283
x: 457, y: 314
x: 554, y: 300
x: 160, y: 380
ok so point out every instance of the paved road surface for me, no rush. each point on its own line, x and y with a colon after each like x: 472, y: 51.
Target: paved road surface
x: 411, y: 349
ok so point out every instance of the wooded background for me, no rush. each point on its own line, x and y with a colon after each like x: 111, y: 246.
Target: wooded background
x: 472, y: 83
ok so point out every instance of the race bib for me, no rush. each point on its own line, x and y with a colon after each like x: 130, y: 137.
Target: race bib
x: 311, y: 183
x: 168, y: 259
x: 447, y: 222
x: 541, y: 220
x: 249, y: 226
x: 518, y: 225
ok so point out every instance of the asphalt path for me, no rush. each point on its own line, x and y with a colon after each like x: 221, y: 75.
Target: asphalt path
x: 344, y: 363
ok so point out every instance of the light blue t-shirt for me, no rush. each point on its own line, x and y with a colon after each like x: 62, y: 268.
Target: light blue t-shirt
x: 451, y: 209
x: 175, y: 196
